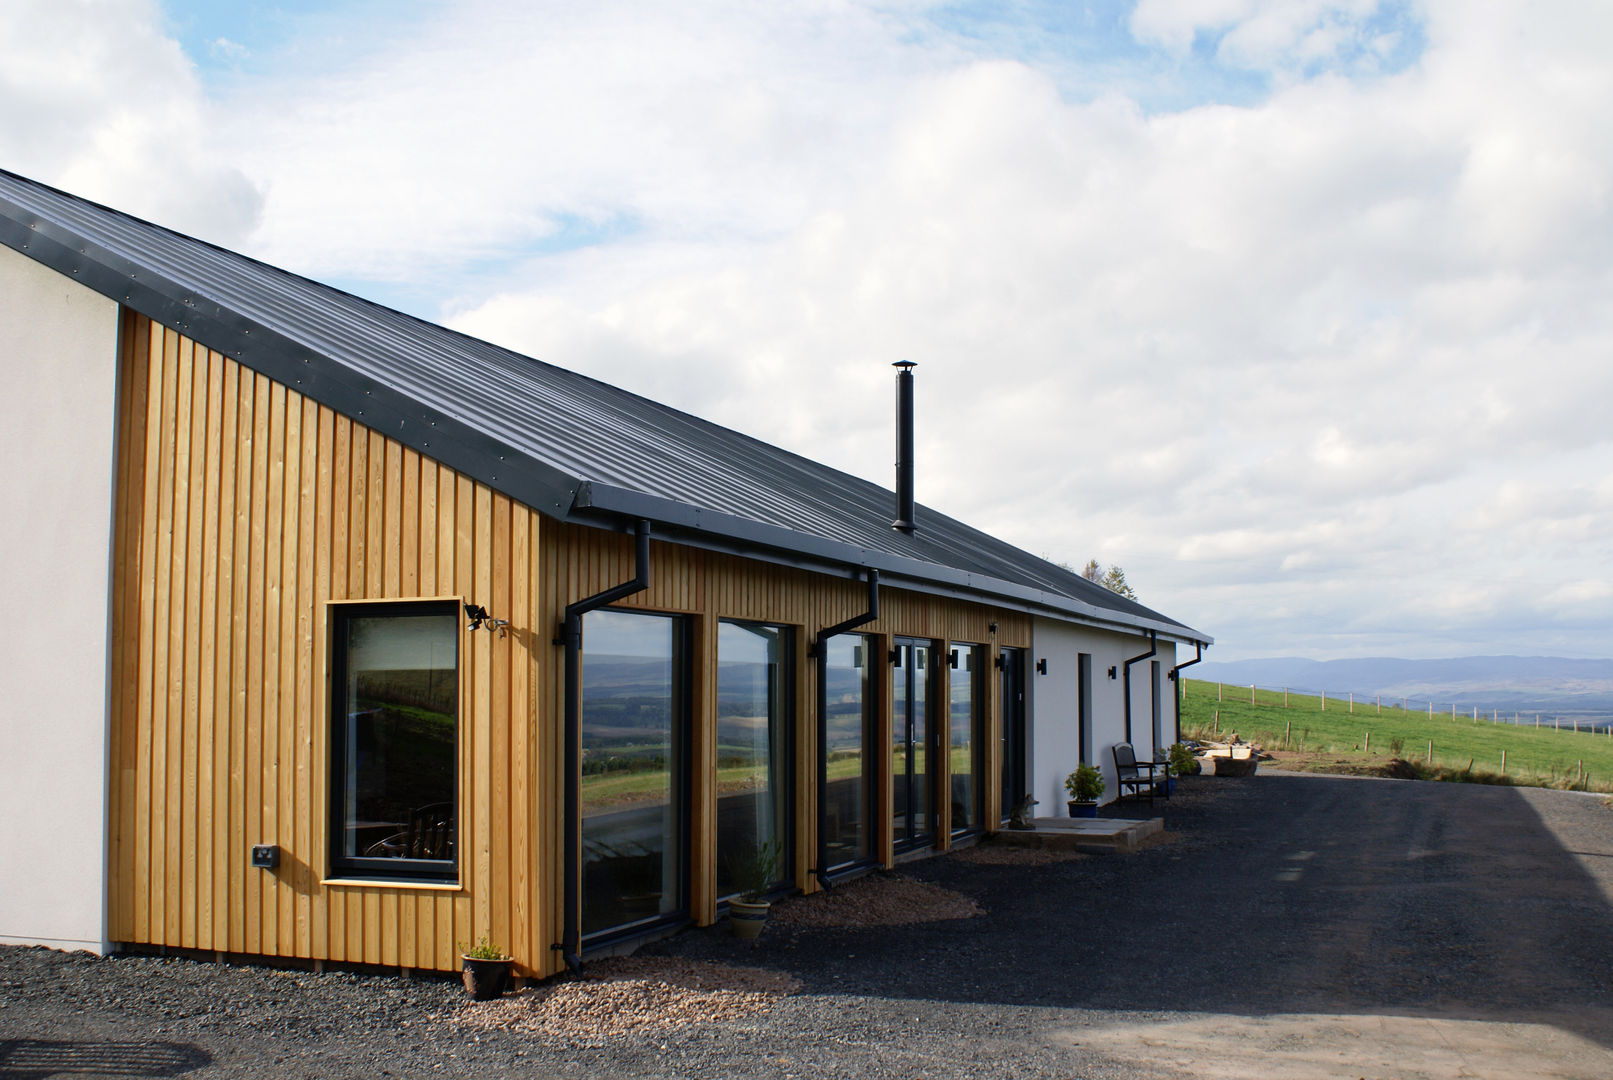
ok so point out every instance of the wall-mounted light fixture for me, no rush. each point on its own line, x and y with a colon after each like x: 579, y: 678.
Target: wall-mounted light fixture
x: 952, y: 659
x: 896, y: 657
x: 1041, y: 666
x: 265, y: 856
x: 994, y: 629
x: 479, y: 617
x: 1112, y: 671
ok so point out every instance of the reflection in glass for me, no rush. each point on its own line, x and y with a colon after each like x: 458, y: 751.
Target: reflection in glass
x: 909, y: 743
x: 965, y: 721
x: 401, y: 703
x: 752, y: 742
x: 848, y: 713
x: 632, y: 731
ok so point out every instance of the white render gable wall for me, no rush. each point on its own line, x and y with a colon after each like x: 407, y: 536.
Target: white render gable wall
x: 1055, y: 701
x: 58, y: 424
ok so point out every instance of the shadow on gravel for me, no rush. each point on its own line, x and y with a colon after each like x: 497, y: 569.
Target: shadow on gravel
x: 35, y: 1059
x: 1286, y: 894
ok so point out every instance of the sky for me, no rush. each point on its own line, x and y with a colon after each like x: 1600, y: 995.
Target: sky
x: 1300, y: 311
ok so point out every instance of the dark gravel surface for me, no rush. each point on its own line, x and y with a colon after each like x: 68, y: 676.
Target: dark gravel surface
x: 1285, y: 894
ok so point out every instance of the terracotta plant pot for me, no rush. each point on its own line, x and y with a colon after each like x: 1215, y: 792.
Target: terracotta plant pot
x: 747, y: 918
x: 486, y: 979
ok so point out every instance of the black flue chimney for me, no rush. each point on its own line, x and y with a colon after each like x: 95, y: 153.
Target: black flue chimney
x: 904, y: 445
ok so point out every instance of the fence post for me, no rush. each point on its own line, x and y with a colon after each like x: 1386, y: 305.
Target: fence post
x: 1285, y: 697
x: 1218, y: 691
x: 1366, y: 743
x: 1251, y: 693
x: 1503, y: 763
x: 1352, y: 702
x: 1324, y: 701
x: 1380, y: 704
x: 1430, y: 710
x: 1289, y: 726
x: 1430, y: 751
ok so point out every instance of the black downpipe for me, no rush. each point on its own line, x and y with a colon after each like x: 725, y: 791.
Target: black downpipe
x: 571, y: 637
x: 1153, y: 647
x: 820, y: 649
x: 904, y: 446
x: 1176, y: 683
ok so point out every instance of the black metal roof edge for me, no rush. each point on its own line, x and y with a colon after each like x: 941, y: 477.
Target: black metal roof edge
x: 271, y: 353
x: 517, y: 473
x: 747, y: 533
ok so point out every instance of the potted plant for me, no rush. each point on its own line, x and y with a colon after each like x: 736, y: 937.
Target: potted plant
x: 1183, y: 762
x: 487, y: 969
x: 1084, y: 785
x: 754, y: 872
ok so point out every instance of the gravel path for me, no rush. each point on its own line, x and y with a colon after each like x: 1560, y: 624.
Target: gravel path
x: 1298, y: 925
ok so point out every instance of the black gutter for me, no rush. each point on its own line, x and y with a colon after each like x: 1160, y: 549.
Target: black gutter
x: 600, y: 503
x: 571, y: 637
x: 821, y: 652
x: 1153, y: 647
x: 1198, y: 655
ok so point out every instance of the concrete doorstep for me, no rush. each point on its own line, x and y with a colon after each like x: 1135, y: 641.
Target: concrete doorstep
x: 1105, y: 835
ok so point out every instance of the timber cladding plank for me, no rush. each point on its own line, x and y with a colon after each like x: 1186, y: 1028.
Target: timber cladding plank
x: 245, y: 511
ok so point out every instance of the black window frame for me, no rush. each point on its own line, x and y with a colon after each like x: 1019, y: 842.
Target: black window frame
x: 683, y: 677
x: 786, y: 704
x: 341, y: 866
x: 980, y: 656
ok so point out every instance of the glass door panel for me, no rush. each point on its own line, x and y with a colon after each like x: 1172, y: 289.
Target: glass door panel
x: 910, y: 749
x: 965, y: 717
x: 848, y: 712
x: 632, y: 769
x: 753, y: 742
x: 1013, y: 729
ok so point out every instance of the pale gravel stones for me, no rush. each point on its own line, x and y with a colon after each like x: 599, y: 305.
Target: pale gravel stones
x: 631, y: 995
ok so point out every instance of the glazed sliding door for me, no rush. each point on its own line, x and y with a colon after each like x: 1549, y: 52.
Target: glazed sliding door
x: 634, y: 748
x: 753, y: 748
x: 911, y: 754
x: 849, y: 770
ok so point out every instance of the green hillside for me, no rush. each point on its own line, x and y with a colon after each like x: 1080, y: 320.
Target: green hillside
x: 1541, y: 756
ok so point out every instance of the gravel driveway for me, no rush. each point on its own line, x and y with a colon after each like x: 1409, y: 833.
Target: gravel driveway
x: 1300, y: 926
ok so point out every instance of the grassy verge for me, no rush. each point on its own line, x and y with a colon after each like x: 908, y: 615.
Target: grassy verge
x: 1310, y: 736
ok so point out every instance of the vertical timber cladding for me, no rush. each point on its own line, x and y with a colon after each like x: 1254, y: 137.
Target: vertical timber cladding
x: 578, y: 561
x: 244, y: 509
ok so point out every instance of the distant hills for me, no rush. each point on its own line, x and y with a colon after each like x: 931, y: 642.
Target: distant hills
x: 1550, y: 685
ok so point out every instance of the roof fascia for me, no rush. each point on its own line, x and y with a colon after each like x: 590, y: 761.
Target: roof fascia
x: 735, y: 535
x: 287, y: 361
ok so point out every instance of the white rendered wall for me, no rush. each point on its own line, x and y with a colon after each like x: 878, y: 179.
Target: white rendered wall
x: 1054, y: 703
x: 58, y: 401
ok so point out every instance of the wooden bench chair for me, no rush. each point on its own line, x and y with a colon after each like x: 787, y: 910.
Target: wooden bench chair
x: 1142, y: 777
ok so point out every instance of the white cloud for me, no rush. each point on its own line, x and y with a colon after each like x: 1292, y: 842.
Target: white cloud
x: 94, y: 99
x: 1324, y: 372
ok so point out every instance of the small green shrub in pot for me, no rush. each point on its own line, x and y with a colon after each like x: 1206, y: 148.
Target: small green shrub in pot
x: 1183, y: 763
x: 1085, y: 784
x: 755, y: 870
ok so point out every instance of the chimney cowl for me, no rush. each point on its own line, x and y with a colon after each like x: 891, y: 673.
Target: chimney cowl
x: 904, y: 446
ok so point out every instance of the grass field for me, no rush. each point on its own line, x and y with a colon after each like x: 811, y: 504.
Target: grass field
x: 1537, y: 756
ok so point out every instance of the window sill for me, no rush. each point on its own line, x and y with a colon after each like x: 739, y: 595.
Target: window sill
x: 392, y: 883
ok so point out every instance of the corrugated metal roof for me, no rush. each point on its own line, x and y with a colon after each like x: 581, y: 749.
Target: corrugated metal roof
x: 571, y: 446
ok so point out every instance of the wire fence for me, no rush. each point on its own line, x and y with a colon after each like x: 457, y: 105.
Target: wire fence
x: 1352, y: 702
x: 1515, y: 746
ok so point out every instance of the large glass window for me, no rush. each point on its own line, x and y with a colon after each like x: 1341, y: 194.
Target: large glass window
x: 966, y: 733
x: 394, y: 752
x: 910, y: 744
x: 849, y: 714
x: 753, y: 740
x: 633, y: 704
